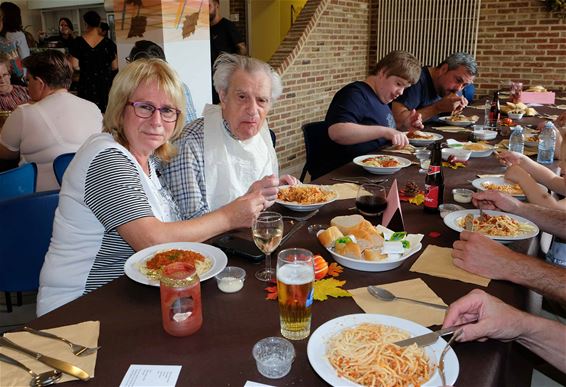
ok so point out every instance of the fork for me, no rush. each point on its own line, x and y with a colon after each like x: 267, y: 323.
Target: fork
x: 357, y: 180
x: 301, y: 218
x: 444, y: 352
x: 78, y: 350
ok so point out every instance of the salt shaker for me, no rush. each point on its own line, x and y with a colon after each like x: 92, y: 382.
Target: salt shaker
x: 181, y: 308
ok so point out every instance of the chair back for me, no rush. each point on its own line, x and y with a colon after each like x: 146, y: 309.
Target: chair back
x: 60, y: 165
x: 18, y: 181
x: 322, y: 153
x: 26, y: 224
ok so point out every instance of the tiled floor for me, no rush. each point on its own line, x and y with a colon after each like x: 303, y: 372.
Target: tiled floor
x: 25, y: 313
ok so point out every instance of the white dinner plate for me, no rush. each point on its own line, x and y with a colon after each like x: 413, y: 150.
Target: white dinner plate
x: 382, y: 170
x: 316, y: 348
x: 477, y: 183
x: 426, y: 141
x: 391, y: 262
x: 308, y: 207
x: 217, y: 256
x: 483, y: 153
x: 448, y: 121
x: 451, y: 220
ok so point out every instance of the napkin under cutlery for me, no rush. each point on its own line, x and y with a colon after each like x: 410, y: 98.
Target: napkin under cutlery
x: 346, y: 190
x: 85, y: 333
x: 451, y: 129
x: 504, y: 145
x: 437, y: 261
x: 414, y: 288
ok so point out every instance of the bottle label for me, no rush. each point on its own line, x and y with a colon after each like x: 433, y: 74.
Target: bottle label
x: 433, y: 169
x: 431, y: 196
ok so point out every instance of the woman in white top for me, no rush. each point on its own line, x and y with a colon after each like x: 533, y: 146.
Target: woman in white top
x: 112, y: 203
x: 58, y: 122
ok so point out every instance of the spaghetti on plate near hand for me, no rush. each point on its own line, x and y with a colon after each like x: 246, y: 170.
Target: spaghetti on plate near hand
x: 495, y: 225
x: 153, y: 266
x: 381, y: 162
x: 511, y: 189
x: 305, y: 194
x: 463, y: 118
x: 365, y: 354
x: 418, y: 135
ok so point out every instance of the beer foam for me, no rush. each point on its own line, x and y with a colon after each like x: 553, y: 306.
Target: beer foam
x: 295, y: 274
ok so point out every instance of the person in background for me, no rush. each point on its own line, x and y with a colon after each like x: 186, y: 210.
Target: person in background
x: 144, y: 49
x: 437, y: 90
x: 359, y: 117
x: 9, y: 48
x: 224, y: 37
x: 229, y: 151
x: 95, y: 57
x: 478, y: 254
x: 499, y: 321
x: 11, y: 96
x: 56, y: 123
x: 13, y: 29
x: 64, y: 39
x: 112, y: 203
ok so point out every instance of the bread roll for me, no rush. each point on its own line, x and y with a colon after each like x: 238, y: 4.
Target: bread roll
x: 328, y: 236
x: 348, y: 248
x: 373, y: 255
x: 365, y: 233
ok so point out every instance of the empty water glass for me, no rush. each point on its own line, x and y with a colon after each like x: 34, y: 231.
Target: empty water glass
x: 423, y: 155
x: 486, y: 109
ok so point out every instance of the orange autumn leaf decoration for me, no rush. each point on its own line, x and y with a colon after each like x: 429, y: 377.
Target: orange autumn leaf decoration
x: 334, y: 270
x: 417, y: 199
x: 271, y: 293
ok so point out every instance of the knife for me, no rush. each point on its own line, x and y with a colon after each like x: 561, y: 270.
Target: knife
x: 293, y: 230
x: 430, y: 338
x: 60, y: 365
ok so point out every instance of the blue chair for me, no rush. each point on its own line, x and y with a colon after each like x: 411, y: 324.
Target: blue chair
x: 323, y: 154
x: 18, y: 181
x: 26, y: 224
x: 60, y: 165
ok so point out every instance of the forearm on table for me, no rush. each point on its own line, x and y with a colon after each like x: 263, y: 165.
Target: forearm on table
x: 348, y: 133
x: 538, y: 275
x: 550, y: 220
x: 546, y: 338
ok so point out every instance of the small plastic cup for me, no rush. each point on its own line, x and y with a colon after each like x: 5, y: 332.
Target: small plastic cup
x: 462, y: 195
x: 274, y: 357
x: 445, y: 209
x: 231, y: 279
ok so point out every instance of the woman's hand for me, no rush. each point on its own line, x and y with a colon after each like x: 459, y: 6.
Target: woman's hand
x: 508, y: 158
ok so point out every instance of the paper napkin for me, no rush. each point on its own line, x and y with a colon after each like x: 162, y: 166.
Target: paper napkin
x: 85, y: 333
x: 407, y: 150
x: 451, y: 129
x: 504, y: 145
x: 415, y: 288
x: 437, y: 261
x: 346, y: 190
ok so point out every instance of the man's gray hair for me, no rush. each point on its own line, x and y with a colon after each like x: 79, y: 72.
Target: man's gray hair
x: 461, y: 59
x: 227, y: 64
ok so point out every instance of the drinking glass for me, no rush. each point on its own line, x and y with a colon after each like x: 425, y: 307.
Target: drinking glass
x: 371, y: 199
x: 486, y: 109
x: 295, y: 279
x: 267, y: 231
x: 516, y: 91
x: 423, y: 155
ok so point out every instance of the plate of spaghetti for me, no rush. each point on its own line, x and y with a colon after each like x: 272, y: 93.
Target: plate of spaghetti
x: 459, y: 120
x: 357, y: 349
x: 496, y: 225
x: 145, y: 265
x: 502, y: 185
x: 305, y: 197
x: 381, y: 164
x: 418, y: 138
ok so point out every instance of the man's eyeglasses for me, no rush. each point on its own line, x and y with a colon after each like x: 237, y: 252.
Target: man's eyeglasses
x: 146, y: 110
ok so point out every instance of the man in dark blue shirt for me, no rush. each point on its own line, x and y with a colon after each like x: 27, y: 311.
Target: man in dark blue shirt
x: 359, y: 117
x: 436, y: 91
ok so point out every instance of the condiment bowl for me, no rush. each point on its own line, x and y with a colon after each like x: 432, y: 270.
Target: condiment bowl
x: 231, y: 279
x: 459, y: 154
x: 515, y: 116
x: 445, y: 209
x: 274, y: 357
x: 462, y: 195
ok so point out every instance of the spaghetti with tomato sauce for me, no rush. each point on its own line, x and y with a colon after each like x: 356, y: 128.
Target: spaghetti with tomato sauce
x: 152, y: 267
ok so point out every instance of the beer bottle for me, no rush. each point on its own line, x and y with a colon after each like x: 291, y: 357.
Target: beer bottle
x: 434, y: 181
x: 494, y: 111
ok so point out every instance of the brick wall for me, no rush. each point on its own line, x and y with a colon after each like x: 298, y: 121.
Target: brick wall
x: 333, y: 43
x: 314, y: 66
x: 239, y: 7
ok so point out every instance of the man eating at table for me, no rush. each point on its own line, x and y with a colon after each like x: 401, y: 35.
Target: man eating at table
x: 229, y: 151
x: 438, y: 90
x: 359, y: 117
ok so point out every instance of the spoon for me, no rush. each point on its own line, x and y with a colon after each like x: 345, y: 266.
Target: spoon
x: 386, y: 295
x: 43, y: 379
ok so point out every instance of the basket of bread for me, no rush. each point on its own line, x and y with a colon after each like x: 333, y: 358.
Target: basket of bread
x: 518, y: 108
x: 355, y: 243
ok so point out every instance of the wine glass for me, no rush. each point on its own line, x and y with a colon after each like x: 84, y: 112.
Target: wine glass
x: 371, y: 199
x: 267, y: 231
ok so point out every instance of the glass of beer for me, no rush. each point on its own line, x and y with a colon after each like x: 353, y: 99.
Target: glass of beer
x: 295, y: 279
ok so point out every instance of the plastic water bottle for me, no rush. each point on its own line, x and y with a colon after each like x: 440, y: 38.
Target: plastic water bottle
x: 517, y: 140
x: 546, y: 141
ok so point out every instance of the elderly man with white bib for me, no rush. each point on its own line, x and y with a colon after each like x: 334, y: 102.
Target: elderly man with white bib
x: 229, y: 152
